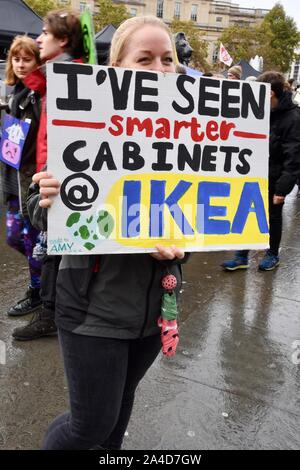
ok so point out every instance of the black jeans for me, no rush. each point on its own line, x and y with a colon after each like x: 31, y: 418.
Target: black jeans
x: 275, y: 213
x: 275, y: 222
x: 102, y: 375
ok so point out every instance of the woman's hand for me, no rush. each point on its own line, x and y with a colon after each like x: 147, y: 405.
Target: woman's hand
x: 49, y: 187
x: 168, y: 253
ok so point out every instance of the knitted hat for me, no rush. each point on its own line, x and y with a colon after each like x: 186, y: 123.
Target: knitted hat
x: 236, y: 70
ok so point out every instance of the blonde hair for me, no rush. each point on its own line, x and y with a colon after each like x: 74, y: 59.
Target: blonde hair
x: 20, y: 43
x: 127, y: 28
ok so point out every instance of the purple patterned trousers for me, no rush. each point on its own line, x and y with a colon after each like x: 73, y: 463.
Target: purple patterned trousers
x: 22, y: 236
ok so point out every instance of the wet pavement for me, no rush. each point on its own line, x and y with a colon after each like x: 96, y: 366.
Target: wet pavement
x: 234, y: 383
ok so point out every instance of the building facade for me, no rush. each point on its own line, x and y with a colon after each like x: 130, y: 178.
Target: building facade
x: 295, y: 69
x: 210, y: 16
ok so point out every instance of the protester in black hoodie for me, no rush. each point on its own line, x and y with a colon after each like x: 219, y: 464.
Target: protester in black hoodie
x: 284, y: 167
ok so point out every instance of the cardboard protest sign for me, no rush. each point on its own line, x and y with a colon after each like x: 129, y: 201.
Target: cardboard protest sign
x: 14, y: 133
x: 146, y: 158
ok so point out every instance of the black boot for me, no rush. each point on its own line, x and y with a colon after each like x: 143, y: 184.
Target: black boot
x: 41, y: 324
x: 27, y: 305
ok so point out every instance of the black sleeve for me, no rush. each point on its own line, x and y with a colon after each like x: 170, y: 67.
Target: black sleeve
x: 37, y: 215
x: 291, y: 158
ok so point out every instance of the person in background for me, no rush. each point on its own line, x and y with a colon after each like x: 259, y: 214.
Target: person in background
x: 234, y: 72
x: 291, y: 84
x: 251, y: 78
x: 284, y: 167
x: 60, y: 40
x: 24, y: 104
x: 179, y: 68
x: 296, y: 100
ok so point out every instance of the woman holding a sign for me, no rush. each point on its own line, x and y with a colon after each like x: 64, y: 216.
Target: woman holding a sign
x: 18, y: 156
x: 108, y: 307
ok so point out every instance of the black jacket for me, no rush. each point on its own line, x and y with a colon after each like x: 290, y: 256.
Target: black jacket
x: 25, y: 104
x: 114, y: 296
x: 284, y: 161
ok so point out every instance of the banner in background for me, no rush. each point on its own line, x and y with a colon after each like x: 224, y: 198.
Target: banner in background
x: 224, y: 56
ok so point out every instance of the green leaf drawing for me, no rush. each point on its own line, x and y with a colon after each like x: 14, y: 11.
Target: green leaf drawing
x: 84, y: 232
x: 73, y: 219
x: 89, y: 246
x: 105, y: 223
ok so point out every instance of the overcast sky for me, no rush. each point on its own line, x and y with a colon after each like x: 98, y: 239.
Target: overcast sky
x: 292, y: 7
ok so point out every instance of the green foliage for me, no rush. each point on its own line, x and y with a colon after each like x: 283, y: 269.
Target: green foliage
x: 109, y: 12
x: 41, y: 7
x: 279, y: 38
x: 199, y: 46
x: 275, y: 39
x: 240, y: 42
